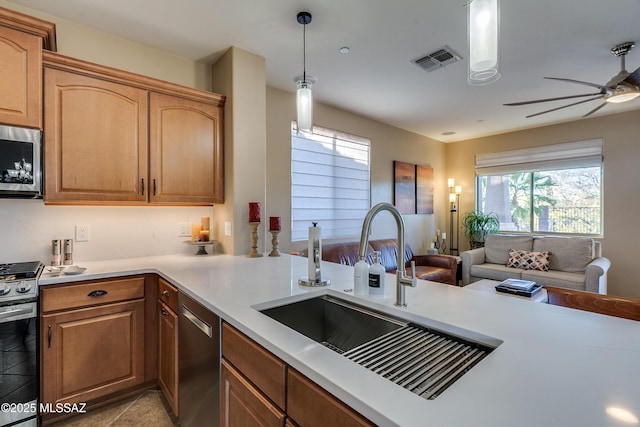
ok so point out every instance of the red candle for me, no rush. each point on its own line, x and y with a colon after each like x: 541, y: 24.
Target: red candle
x: 274, y: 223
x: 254, y: 211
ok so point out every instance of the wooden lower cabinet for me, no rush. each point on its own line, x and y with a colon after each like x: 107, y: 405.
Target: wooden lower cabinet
x: 258, y: 389
x: 168, y: 355
x: 92, y: 352
x: 310, y: 405
x: 243, y: 405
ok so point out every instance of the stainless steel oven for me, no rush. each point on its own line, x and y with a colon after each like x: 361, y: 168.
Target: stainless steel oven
x: 19, y: 385
x: 20, y: 162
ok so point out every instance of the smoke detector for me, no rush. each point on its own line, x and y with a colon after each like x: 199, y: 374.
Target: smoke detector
x: 437, y: 59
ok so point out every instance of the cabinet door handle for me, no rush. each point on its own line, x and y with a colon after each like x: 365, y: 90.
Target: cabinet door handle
x: 164, y: 312
x: 97, y: 293
x: 165, y: 293
x: 49, y: 337
x: 142, y: 186
x: 154, y: 187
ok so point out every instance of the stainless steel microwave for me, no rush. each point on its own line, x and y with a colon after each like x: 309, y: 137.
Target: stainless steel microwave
x: 20, y: 162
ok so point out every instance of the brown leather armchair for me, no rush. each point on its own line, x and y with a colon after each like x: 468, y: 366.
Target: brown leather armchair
x: 437, y: 268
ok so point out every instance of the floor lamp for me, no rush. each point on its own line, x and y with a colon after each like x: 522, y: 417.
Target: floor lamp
x: 454, y: 201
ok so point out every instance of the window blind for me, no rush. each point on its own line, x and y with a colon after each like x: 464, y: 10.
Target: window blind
x: 548, y: 157
x: 329, y: 182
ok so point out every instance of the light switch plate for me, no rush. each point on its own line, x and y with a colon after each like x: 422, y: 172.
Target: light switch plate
x: 82, y: 233
x: 184, y: 229
x: 227, y: 228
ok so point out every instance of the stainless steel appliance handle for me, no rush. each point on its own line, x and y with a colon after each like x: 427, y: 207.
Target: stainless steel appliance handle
x: 204, y: 327
x: 14, y: 312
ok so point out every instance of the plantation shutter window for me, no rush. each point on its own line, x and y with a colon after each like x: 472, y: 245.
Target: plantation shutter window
x: 329, y: 182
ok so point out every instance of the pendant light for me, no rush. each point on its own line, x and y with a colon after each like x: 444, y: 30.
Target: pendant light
x: 304, y: 95
x: 483, y: 21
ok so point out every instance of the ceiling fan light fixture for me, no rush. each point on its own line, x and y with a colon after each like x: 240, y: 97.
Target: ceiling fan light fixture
x: 483, y: 25
x: 623, y: 93
x: 304, y: 94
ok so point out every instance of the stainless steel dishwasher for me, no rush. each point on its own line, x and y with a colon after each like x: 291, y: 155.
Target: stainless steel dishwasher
x: 198, y: 364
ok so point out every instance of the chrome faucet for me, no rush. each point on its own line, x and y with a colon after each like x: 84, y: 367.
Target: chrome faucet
x: 402, y: 279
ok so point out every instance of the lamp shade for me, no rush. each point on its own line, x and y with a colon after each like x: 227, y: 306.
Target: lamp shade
x: 483, y: 26
x: 452, y: 197
x: 304, y: 102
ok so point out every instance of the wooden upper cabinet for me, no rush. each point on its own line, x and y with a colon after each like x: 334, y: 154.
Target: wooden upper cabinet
x: 22, y: 39
x: 114, y: 137
x: 21, y: 82
x: 185, y: 151
x: 95, y: 139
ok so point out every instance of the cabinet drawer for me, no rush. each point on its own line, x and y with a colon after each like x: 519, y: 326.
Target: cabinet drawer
x: 91, y: 293
x: 265, y: 371
x: 310, y: 405
x: 168, y: 294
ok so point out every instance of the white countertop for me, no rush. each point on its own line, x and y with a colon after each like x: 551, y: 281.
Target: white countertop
x: 555, y: 366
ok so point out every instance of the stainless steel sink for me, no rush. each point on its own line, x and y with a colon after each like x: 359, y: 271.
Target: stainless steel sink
x: 336, y: 324
x: 422, y: 359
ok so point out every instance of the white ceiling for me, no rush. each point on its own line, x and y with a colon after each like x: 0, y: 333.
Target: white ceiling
x: 557, y: 38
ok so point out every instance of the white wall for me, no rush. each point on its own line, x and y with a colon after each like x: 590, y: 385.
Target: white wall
x: 28, y: 226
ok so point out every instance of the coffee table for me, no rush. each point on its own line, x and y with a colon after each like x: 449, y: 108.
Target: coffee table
x: 486, y: 285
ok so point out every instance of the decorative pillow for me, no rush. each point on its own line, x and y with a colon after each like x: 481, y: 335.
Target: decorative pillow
x: 529, y: 260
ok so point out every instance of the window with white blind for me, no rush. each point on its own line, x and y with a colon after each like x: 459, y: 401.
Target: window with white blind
x: 548, y: 189
x: 329, y: 182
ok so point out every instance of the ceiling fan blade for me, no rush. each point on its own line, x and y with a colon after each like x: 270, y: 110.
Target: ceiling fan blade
x: 595, y: 109
x: 633, y: 78
x: 564, y: 106
x: 578, y: 82
x: 551, y: 99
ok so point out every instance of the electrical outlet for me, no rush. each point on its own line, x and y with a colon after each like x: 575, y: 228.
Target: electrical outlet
x: 227, y: 228
x: 82, y: 233
x: 184, y: 229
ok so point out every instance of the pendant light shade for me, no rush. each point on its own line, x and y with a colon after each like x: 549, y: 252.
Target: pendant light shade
x: 484, y: 32
x: 304, y: 101
x: 304, y: 95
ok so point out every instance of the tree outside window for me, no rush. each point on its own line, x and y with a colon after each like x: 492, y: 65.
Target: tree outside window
x: 550, y: 201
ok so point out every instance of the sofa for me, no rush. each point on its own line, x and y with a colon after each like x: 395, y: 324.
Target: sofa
x: 436, y: 268
x: 565, y: 262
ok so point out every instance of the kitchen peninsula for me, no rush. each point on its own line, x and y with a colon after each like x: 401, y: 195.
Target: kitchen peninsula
x: 553, y: 366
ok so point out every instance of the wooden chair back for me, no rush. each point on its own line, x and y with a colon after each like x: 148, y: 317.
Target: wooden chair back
x: 627, y: 308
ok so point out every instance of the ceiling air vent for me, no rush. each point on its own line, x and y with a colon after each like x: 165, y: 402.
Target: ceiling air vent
x: 437, y: 59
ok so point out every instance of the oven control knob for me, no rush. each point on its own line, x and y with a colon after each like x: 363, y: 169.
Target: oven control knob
x: 5, y: 289
x: 23, y: 288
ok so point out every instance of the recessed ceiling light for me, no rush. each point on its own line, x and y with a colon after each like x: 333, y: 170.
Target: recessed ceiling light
x: 448, y: 133
x: 344, y: 49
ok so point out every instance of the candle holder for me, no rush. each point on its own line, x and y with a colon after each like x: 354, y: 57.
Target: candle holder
x: 274, y: 243
x: 253, y: 253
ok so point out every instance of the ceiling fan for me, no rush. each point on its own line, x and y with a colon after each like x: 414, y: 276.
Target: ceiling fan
x: 623, y: 87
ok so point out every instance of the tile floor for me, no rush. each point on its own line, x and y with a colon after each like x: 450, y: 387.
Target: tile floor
x: 146, y: 409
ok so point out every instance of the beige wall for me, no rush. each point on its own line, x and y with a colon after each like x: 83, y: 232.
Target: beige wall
x: 388, y: 143
x: 621, y: 182
x: 240, y: 75
x: 83, y: 42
